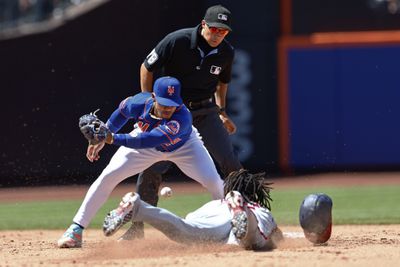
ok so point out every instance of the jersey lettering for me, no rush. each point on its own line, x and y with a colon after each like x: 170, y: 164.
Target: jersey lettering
x: 143, y: 126
x: 173, y: 142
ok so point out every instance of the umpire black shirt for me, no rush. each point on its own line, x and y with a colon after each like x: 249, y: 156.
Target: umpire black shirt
x: 185, y: 55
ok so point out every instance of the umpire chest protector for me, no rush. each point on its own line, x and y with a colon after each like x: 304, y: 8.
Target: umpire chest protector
x: 181, y: 54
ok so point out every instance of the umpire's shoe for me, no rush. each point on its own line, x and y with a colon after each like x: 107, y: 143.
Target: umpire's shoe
x: 72, y: 238
x: 116, y: 218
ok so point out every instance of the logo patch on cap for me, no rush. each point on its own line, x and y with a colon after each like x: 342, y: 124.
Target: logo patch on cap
x: 222, y: 16
x: 173, y: 127
x: 171, y: 90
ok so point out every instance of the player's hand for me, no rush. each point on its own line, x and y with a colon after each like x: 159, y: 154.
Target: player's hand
x: 93, y: 151
x: 228, y: 123
x: 234, y: 200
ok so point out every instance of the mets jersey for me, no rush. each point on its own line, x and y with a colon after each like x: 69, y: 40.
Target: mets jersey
x: 163, y: 134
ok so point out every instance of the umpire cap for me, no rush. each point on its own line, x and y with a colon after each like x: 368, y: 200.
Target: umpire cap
x: 218, y: 16
x: 316, y: 217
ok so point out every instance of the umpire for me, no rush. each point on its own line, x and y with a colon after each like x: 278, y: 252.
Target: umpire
x: 201, y: 59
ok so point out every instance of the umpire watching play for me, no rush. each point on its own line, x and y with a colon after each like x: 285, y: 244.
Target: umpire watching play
x: 201, y: 59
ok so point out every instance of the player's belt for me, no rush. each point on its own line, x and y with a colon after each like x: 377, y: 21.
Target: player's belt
x: 199, y: 104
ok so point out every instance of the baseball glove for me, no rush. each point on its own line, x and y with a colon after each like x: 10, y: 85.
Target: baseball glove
x: 93, y: 129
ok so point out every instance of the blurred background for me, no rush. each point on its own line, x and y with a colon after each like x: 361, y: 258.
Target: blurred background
x: 315, y: 84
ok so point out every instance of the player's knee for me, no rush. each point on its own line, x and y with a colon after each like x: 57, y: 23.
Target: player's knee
x: 109, y: 179
x: 254, y: 239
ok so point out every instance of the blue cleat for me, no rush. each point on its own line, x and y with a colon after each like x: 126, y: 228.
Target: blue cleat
x: 72, y: 238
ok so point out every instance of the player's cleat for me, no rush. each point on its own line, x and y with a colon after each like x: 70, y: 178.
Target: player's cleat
x: 239, y: 223
x: 116, y: 218
x: 72, y: 238
x: 135, y: 231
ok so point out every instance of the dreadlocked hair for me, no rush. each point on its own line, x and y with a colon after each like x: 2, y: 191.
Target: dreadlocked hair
x: 252, y: 187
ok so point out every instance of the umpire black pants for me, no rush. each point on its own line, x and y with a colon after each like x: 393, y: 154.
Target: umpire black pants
x: 216, y: 140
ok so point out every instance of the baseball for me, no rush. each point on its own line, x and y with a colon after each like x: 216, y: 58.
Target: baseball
x: 166, y: 192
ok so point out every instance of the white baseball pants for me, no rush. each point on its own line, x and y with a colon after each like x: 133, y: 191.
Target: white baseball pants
x: 192, y: 158
x: 210, y: 223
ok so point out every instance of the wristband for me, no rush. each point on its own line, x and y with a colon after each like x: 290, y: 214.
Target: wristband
x: 223, y: 109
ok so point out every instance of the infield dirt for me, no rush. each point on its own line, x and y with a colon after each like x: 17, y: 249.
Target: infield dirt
x: 355, y: 245
x: 373, y: 245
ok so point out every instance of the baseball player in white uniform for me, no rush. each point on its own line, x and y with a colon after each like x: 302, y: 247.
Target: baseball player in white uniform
x: 164, y: 132
x: 242, y: 217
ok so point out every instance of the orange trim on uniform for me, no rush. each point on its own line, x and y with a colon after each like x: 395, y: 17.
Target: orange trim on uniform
x: 122, y: 105
x: 170, y: 140
x: 178, y: 108
x: 165, y: 148
x: 146, y: 103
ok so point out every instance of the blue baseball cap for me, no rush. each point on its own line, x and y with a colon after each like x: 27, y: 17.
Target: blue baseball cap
x: 167, y: 91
